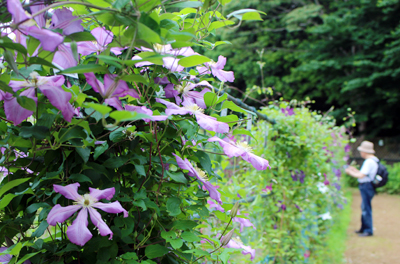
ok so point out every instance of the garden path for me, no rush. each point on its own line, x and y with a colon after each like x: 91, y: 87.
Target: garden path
x: 384, y: 246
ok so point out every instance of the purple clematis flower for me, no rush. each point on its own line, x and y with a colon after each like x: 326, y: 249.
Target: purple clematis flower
x: 111, y: 90
x: 171, y: 63
x: 78, y: 233
x: 186, y: 90
x: 49, y: 40
x: 326, y: 182
x: 347, y: 148
x: 103, y: 37
x: 242, y: 149
x: 63, y: 19
x: 49, y: 86
x: 237, y: 243
x: 63, y: 57
x: 205, y: 122
x: 288, y: 111
x: 5, y: 259
x: 298, y: 176
x: 200, y: 175
x: 243, y: 222
x: 216, y: 69
x: 146, y: 111
x: 267, y: 188
x: 216, y: 206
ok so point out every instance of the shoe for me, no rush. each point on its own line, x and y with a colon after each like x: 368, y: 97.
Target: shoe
x: 358, y: 231
x: 364, y: 234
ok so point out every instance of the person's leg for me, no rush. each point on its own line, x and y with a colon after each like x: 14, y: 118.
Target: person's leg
x: 363, y: 198
x: 368, y: 193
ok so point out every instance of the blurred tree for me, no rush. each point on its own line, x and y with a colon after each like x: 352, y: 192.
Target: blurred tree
x: 340, y: 53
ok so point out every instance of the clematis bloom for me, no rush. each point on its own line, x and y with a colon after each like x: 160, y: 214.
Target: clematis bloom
x: 205, y: 121
x: 187, y: 93
x: 243, y: 222
x: 49, y: 40
x: 103, y: 38
x: 49, y: 86
x: 78, y: 233
x: 200, y: 175
x: 111, y: 90
x: 216, y: 69
x: 242, y: 149
x: 146, y: 111
x: 237, y: 243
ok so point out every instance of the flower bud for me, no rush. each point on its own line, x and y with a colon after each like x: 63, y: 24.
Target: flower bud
x: 234, y: 210
x: 225, y: 240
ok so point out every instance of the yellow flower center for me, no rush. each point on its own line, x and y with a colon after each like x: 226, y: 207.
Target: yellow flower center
x: 158, y: 48
x: 87, y: 200
x: 244, y: 146
x: 201, y: 174
x: 194, y: 108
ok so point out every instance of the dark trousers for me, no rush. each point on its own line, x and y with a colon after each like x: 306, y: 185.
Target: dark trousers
x: 367, y: 193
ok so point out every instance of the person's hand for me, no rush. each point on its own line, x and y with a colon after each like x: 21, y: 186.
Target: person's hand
x: 350, y: 169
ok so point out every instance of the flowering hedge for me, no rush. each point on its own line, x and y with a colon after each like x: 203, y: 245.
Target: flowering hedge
x: 108, y: 117
x: 291, y: 206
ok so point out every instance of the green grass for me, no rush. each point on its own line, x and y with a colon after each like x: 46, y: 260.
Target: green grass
x: 337, y: 236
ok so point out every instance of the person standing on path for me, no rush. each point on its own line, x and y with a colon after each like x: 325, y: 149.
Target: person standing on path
x: 365, y: 177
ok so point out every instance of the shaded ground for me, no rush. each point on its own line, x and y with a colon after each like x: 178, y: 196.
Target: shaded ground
x: 384, y: 246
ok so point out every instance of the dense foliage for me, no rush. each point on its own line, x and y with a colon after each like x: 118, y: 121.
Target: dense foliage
x: 106, y: 121
x: 291, y: 206
x: 341, y: 53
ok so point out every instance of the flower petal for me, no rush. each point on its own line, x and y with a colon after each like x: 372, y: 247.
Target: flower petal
x: 96, y: 84
x: 223, y: 76
x: 257, y: 162
x: 63, y: 58
x: 185, y: 165
x: 60, y: 214
x: 220, y: 63
x: 210, y: 123
x: 5, y: 258
x: 229, y: 149
x: 107, y: 194
x: 113, y: 208
x: 36, y: 7
x: 14, y: 112
x: 99, y: 223
x: 117, y: 50
x: 17, y: 12
x: 49, y: 39
x: 171, y: 64
x: 103, y: 36
x: 115, y: 102
x: 87, y: 47
x: 59, y: 99
x: 214, y: 193
x: 69, y: 191
x: 63, y: 18
x: 112, y: 87
x: 78, y: 233
x: 173, y: 109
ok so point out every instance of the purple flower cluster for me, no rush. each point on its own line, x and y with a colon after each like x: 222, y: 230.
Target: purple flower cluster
x: 298, y: 176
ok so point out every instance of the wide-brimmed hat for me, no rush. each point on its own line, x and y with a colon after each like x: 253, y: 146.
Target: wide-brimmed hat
x: 367, y: 147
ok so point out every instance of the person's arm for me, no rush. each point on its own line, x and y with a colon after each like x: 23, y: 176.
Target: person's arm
x: 354, y: 172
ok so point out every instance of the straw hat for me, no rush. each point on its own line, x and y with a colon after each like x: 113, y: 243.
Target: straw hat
x: 367, y: 147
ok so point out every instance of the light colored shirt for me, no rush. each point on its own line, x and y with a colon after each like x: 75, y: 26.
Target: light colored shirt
x: 369, y: 168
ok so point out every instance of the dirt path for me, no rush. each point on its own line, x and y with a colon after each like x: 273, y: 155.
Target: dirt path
x: 384, y: 246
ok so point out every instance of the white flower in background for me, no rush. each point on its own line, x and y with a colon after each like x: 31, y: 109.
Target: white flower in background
x: 326, y: 216
x: 322, y: 187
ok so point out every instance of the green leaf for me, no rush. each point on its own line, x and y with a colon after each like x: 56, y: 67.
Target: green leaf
x: 85, y: 68
x: 6, y: 200
x: 75, y: 132
x: 80, y: 36
x: 155, y: 251
x: 193, y: 4
x: 9, y: 57
x: 39, y: 132
x: 115, y: 162
x: 140, y: 169
x: 127, y: 116
x: 41, y: 229
x: 148, y: 34
x: 34, y: 207
x: 177, y: 176
x: 100, y: 150
x: 27, y: 103
x: 119, y: 4
x: 176, y: 243
x: 210, y: 99
x: 6, y: 88
x: 12, y: 184
x: 220, y: 24
x: 173, y: 206
x: 135, y: 78
x: 130, y: 255
x: 84, y: 152
x: 14, y: 46
x: 140, y: 203
x: 243, y: 132
x: 226, y: 254
x: 80, y: 178
x: 184, y: 224
x: 190, y: 237
x: 204, y: 161
x: 243, y: 14
x: 193, y: 60
x: 224, y: 2
x: 27, y: 256
x: 37, y: 60
x: 103, y: 109
x: 231, y: 105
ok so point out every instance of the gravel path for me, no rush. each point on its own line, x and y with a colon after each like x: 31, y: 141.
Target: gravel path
x: 384, y: 246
